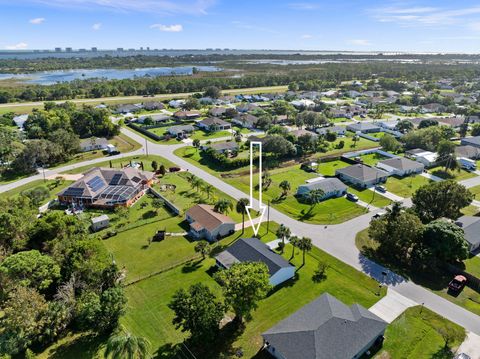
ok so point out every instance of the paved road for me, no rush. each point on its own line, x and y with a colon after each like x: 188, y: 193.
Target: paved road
x: 337, y: 240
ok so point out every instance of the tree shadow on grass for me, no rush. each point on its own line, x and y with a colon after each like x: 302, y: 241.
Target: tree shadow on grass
x: 192, y: 266
x: 84, y: 347
x: 149, y: 214
x: 443, y: 353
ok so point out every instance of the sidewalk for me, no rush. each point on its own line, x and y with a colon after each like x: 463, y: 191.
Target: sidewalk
x: 430, y: 176
x: 391, y: 306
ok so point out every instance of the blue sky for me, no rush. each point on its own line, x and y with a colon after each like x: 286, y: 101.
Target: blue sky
x: 441, y: 26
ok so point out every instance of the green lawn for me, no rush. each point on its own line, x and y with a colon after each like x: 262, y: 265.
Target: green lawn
x: 205, y: 135
x: 329, y: 168
x: 475, y: 191
x: 148, y: 314
x: 472, y: 265
x: 372, y: 159
x: 471, y: 210
x: 50, y: 185
x: 419, y: 333
x: 406, y: 186
x: 370, y: 197
x: 457, y: 175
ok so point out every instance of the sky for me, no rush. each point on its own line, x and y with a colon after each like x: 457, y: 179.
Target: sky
x: 357, y: 25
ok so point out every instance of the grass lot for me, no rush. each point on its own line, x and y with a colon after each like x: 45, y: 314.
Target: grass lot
x: 418, y: 333
x: 371, y: 159
x: 471, y: 210
x: 457, y: 175
x: 437, y: 283
x: 149, y: 315
x: 472, y: 265
x: 406, y: 186
x: 329, y: 168
x: 475, y: 191
x: 368, y: 196
x: 205, y: 135
x: 50, y: 185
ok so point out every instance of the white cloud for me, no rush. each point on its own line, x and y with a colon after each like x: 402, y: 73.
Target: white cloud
x: 19, y: 46
x: 359, y: 42
x: 303, y: 6
x: 306, y: 36
x: 475, y: 26
x: 245, y: 26
x: 425, y: 16
x: 96, y: 26
x: 163, y: 7
x: 37, y: 21
x: 167, y: 28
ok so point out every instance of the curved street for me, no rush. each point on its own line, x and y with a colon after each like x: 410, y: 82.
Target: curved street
x: 337, y: 240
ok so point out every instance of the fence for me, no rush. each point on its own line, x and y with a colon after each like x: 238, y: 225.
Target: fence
x: 146, y: 132
x: 168, y: 204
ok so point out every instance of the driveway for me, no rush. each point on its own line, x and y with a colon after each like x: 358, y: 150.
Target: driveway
x: 391, y: 306
x: 389, y: 195
x: 470, y: 346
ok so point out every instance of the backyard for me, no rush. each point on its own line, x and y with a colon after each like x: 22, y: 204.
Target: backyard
x: 406, y: 186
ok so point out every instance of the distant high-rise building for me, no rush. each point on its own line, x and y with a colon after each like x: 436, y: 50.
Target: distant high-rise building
x: 94, y: 49
x: 141, y: 48
x: 119, y: 48
x: 148, y: 48
x: 68, y: 49
x: 58, y: 49
x: 82, y: 50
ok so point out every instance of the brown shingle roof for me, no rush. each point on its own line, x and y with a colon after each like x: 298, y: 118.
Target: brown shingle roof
x: 204, y: 216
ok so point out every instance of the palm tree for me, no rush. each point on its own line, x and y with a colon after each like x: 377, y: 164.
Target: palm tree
x: 196, y: 183
x: 294, y: 242
x: 208, y: 189
x: 314, y: 197
x: 223, y: 206
x: 203, y: 248
x: 283, y: 232
x: 241, y: 208
x: 196, y: 143
x: 285, y: 187
x: 305, y: 244
x: 190, y: 177
x: 124, y: 345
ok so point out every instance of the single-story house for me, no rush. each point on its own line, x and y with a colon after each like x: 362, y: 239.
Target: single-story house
x: 303, y: 103
x: 222, y: 147
x: 454, y: 122
x: 213, y: 124
x: 153, y: 105
x: 471, y: 227
x: 157, y: 118
x: 176, y: 103
x: 325, y: 328
x: 331, y: 187
x: 400, y: 166
x: 339, y: 130
x: 303, y: 132
x: 428, y: 158
x: 245, y: 107
x: 93, y: 144
x: 206, y: 223
x: 468, y: 151
x: 108, y: 187
x: 254, y: 250
x: 128, y: 109
x: 471, y: 141
x: 217, y: 111
x: 363, y: 127
x: 180, y: 130
x: 392, y: 125
x: 245, y: 120
x: 186, y: 115
x: 361, y: 175
x: 432, y: 107
x: 100, y: 222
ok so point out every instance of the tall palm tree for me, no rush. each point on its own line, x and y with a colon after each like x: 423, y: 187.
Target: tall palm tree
x: 190, y: 177
x: 294, y: 242
x: 124, y: 345
x: 305, y: 244
x: 314, y: 197
x: 283, y: 232
x: 196, y: 183
x: 223, y: 206
x: 241, y: 208
x: 208, y: 189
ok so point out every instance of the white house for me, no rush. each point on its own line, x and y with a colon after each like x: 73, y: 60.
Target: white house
x: 428, y: 158
x: 400, y: 166
x: 254, y: 250
x: 176, y: 103
x: 93, y: 144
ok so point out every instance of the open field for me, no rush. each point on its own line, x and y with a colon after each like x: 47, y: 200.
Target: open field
x: 437, y: 282
x: 418, y: 333
x: 406, y: 186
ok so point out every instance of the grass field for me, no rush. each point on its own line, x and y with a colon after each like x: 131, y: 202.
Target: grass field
x: 406, y: 186
x: 437, y: 283
x: 372, y: 159
x: 457, y: 175
x: 419, y: 333
x: 329, y: 168
x: 475, y: 191
x: 50, y: 185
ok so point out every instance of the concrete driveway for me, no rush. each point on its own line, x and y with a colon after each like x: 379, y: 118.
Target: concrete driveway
x: 391, y: 306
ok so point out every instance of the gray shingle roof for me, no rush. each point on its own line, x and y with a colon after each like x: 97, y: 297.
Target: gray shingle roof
x: 467, y: 151
x: 327, y: 185
x: 252, y: 250
x: 474, y: 141
x: 361, y: 172
x: 401, y: 163
x: 362, y: 126
x: 471, y: 227
x: 325, y: 328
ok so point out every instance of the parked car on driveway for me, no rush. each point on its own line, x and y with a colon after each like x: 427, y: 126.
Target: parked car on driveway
x: 378, y: 215
x: 381, y: 189
x: 352, y: 197
x: 456, y: 284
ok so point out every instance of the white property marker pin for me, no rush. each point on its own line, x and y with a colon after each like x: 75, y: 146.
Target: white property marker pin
x: 261, y: 207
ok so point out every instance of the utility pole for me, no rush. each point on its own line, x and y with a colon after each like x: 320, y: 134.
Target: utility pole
x: 268, y: 215
x: 146, y: 147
